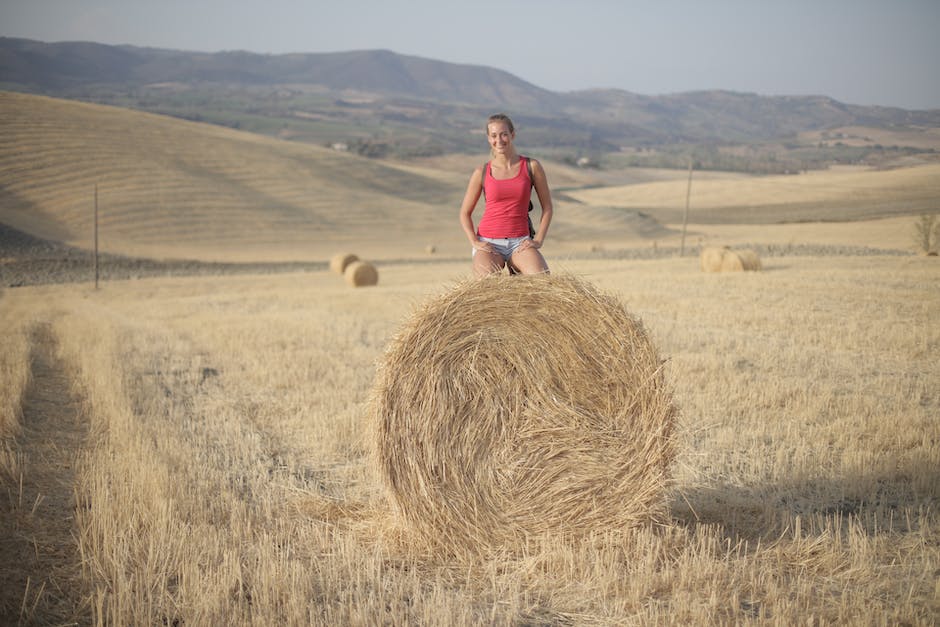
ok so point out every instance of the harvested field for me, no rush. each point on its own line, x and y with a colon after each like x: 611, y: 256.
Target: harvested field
x: 229, y: 466
x: 192, y: 443
x: 812, y: 196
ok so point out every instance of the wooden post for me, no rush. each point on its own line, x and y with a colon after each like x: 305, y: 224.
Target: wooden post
x: 685, y: 215
x: 96, y: 236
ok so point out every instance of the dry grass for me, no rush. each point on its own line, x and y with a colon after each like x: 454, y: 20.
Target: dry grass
x: 227, y: 476
x: 14, y: 377
x: 511, y: 408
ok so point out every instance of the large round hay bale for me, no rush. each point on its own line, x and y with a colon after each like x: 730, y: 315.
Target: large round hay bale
x: 711, y: 258
x: 361, y: 274
x: 515, y: 406
x: 340, y: 261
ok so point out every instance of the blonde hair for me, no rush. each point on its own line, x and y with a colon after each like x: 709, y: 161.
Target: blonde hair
x: 499, y: 117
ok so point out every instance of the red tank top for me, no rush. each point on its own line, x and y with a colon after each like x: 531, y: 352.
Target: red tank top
x: 506, y: 213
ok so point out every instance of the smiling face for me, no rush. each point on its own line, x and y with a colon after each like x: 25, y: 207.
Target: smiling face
x: 500, y: 135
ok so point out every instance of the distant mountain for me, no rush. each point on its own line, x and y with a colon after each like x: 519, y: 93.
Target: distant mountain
x: 387, y: 101
x: 734, y: 116
x: 43, y: 67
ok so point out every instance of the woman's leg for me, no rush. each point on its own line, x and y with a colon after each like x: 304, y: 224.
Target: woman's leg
x: 485, y: 262
x: 529, y: 261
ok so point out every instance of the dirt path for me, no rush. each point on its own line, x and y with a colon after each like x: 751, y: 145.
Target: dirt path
x: 39, y: 564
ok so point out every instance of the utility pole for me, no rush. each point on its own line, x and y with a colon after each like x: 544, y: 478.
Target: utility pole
x: 685, y: 216
x: 96, y: 236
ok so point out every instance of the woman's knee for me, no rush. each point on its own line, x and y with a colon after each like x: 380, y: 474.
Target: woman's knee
x: 529, y: 261
x: 487, y: 263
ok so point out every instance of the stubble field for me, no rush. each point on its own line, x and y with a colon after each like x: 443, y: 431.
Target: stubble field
x: 184, y: 450
x: 216, y: 466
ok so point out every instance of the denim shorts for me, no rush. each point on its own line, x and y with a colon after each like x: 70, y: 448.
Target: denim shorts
x: 504, y: 246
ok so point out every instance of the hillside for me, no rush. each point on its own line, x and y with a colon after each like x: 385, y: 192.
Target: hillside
x: 381, y: 103
x: 175, y: 189
x: 41, y: 66
x: 838, y: 195
x: 185, y: 188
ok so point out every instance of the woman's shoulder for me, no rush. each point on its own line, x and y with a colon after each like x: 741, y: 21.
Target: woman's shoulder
x: 477, y: 174
x: 535, y: 165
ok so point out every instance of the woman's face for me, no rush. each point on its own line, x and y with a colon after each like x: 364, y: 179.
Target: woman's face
x: 499, y: 135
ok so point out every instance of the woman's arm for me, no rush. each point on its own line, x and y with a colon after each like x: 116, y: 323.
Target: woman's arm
x: 470, y: 199
x: 545, y: 200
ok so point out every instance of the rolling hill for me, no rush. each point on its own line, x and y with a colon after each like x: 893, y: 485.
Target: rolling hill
x: 175, y: 189
x: 380, y: 102
x: 61, y: 66
x: 838, y: 195
x: 184, y: 188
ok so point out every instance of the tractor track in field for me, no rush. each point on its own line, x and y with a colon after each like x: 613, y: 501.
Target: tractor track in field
x: 40, y: 568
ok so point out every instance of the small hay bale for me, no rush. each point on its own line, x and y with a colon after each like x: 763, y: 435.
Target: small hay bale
x: 517, y: 406
x: 740, y: 261
x: 711, y: 259
x: 341, y: 261
x: 731, y: 262
x: 727, y: 260
x: 361, y: 274
x: 430, y: 249
x: 750, y: 261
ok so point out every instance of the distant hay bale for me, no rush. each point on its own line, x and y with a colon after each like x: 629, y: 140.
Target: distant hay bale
x: 711, y: 259
x: 727, y: 260
x: 515, y: 406
x: 430, y: 249
x: 731, y: 262
x: 750, y: 261
x: 361, y: 274
x: 340, y: 261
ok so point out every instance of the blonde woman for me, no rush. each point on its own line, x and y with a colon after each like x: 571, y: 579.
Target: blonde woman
x: 505, y: 236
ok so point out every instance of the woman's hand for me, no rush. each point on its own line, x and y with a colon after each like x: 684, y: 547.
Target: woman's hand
x: 482, y: 246
x: 529, y: 243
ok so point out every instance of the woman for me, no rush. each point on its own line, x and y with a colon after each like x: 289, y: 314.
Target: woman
x: 506, y: 181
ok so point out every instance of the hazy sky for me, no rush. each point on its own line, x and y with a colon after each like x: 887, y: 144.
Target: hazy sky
x: 884, y: 52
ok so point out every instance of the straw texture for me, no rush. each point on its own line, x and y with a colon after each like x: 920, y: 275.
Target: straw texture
x: 517, y: 406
